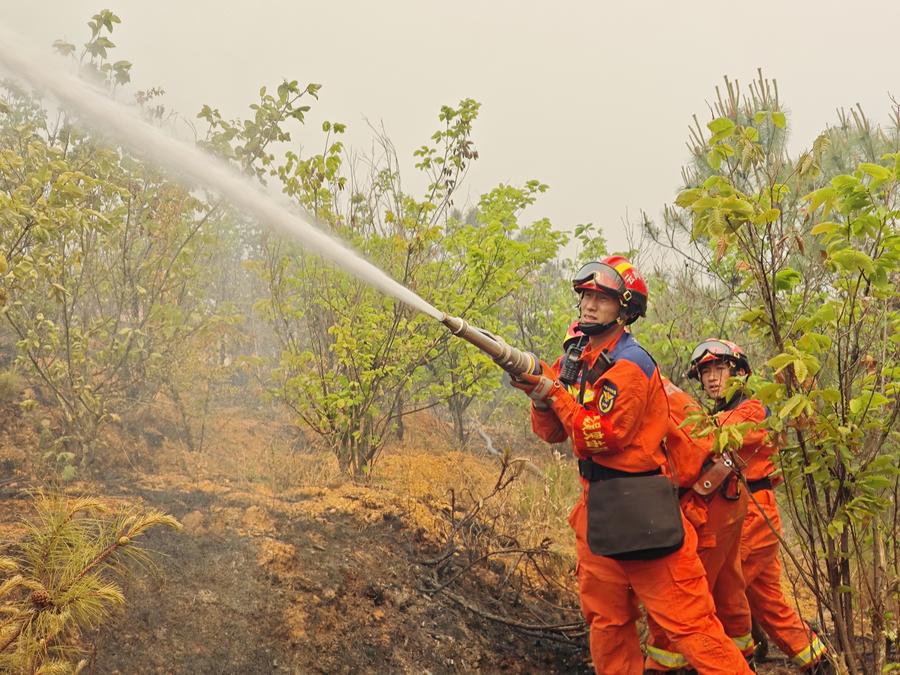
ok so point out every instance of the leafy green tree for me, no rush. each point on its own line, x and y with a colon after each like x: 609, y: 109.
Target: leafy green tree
x: 103, y: 263
x: 352, y: 363
x: 351, y: 359
x: 812, y: 247
x: 489, y: 267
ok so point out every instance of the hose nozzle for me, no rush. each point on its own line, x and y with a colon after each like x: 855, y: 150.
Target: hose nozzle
x: 512, y: 360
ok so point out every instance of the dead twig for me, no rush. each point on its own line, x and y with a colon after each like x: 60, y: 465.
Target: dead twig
x: 577, y: 628
x: 489, y: 445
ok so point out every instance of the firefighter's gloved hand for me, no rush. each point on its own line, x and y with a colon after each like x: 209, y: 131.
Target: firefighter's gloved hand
x: 538, y: 387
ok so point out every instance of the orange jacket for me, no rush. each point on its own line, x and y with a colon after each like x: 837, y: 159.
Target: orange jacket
x: 624, y: 416
x: 757, y: 450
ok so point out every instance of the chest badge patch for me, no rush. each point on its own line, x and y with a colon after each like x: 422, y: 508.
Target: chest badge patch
x: 608, y: 395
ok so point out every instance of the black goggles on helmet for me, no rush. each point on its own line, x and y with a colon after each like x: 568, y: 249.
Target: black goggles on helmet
x: 601, y: 275
x: 715, y: 348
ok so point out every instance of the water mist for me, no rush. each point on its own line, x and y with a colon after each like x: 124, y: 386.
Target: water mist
x: 112, y: 118
x: 109, y: 117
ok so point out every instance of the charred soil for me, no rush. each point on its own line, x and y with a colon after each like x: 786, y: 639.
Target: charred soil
x: 283, y: 566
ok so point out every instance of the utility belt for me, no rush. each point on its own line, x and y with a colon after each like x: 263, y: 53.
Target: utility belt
x: 761, y: 484
x: 591, y: 471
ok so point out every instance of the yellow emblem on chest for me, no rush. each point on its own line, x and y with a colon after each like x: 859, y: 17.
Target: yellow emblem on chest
x: 608, y: 395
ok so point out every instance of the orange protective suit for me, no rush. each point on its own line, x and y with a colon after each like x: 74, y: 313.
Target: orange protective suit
x: 717, y: 519
x: 621, y: 426
x: 759, y: 544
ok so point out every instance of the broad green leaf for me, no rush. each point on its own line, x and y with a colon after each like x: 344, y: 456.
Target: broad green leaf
x: 787, y: 278
x: 721, y: 125
x: 793, y: 407
x: 780, y: 361
x: 878, y: 173
x: 850, y: 260
x: 830, y: 395
x: 752, y: 316
x: 825, y: 227
x: 867, y: 400
x: 685, y: 199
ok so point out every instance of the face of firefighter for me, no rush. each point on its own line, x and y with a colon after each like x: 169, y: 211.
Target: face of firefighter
x: 713, y: 376
x: 598, y: 307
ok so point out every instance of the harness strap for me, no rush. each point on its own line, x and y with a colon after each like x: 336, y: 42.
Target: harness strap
x: 761, y: 484
x: 601, y: 365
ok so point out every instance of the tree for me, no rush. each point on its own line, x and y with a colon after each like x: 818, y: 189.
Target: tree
x: 810, y: 251
x: 61, y: 584
x: 102, y: 259
x: 350, y: 360
x: 491, y: 266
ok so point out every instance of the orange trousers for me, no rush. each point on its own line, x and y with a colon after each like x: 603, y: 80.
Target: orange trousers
x: 762, y: 573
x: 718, y: 523
x: 674, y: 592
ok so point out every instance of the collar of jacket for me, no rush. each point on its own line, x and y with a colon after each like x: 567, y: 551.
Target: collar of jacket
x: 590, y: 354
x: 722, y: 405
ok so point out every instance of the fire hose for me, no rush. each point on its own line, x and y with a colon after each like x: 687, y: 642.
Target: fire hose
x: 513, y: 361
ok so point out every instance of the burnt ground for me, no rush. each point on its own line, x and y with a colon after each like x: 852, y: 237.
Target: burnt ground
x: 330, y: 577
x: 325, y: 593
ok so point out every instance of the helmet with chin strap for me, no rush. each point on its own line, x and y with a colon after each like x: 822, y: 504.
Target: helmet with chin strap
x: 617, y: 277
x: 712, y: 350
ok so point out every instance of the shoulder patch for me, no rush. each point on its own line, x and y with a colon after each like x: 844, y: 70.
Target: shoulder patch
x: 628, y: 349
x: 608, y: 393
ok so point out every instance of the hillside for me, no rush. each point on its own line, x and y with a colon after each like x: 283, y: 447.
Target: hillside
x: 284, y: 566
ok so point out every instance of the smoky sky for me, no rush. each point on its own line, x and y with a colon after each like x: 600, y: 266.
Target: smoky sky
x: 592, y: 98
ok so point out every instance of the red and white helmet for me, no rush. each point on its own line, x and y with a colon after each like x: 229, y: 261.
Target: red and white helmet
x: 616, y: 276
x: 716, y: 349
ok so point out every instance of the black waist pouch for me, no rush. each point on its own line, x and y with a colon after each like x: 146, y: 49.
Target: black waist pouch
x: 633, y: 517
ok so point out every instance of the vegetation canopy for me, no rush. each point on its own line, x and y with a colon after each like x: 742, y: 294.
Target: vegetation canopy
x: 139, y: 316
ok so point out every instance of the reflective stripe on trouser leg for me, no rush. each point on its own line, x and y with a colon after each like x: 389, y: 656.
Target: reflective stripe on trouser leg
x: 666, y: 658
x: 670, y: 659
x: 811, y: 654
x: 744, y: 643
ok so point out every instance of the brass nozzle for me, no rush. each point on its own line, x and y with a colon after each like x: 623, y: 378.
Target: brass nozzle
x: 512, y: 360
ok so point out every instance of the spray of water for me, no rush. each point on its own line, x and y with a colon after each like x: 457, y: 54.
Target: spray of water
x: 114, y: 119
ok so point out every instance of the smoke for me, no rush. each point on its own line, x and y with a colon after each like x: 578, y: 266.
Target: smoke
x: 182, y: 159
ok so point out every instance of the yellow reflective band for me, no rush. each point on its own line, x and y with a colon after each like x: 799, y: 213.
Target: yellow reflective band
x: 743, y: 642
x: 811, y: 654
x: 665, y: 658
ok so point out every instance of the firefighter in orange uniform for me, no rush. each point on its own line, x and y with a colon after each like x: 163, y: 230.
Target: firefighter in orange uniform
x: 632, y: 542
x: 715, y: 503
x: 712, y: 363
